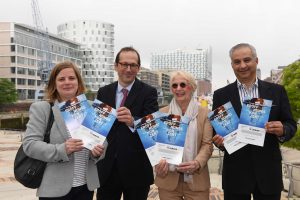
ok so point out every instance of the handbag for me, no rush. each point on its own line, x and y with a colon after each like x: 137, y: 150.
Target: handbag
x: 29, y: 171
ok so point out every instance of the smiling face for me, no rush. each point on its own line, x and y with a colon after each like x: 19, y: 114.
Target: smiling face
x: 127, y: 67
x: 66, y: 84
x: 244, y: 65
x: 181, y: 89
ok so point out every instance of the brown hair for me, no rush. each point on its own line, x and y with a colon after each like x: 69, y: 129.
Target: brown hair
x: 127, y: 49
x: 51, y: 91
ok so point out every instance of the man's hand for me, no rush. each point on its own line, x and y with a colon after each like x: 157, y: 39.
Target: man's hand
x: 218, y: 140
x: 124, y: 115
x: 274, y: 127
x: 98, y: 150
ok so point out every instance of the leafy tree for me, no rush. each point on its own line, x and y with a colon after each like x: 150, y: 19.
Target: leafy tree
x: 291, y: 82
x: 8, y: 92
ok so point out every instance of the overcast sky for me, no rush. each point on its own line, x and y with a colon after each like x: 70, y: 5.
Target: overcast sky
x: 272, y: 26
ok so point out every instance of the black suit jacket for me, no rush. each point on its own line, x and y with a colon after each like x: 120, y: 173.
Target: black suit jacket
x: 124, y: 146
x: 252, y: 165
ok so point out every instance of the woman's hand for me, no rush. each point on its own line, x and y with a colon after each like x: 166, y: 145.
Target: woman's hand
x: 188, y: 167
x: 162, y: 168
x: 73, y: 145
x: 98, y: 150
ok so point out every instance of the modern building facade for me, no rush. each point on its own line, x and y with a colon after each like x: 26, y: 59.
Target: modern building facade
x: 22, y: 52
x: 97, y: 50
x: 198, y: 62
x: 149, y: 77
x: 204, y: 87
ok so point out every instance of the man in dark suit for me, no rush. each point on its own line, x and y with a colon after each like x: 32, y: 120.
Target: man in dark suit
x: 126, y: 168
x: 253, y: 169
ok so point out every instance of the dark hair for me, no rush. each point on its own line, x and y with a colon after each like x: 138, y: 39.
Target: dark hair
x: 51, y: 90
x: 126, y: 49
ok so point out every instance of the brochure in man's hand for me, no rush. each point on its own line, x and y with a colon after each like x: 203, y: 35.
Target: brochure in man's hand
x: 97, y: 124
x: 73, y: 112
x: 254, y: 115
x: 225, y: 122
x: 147, y: 128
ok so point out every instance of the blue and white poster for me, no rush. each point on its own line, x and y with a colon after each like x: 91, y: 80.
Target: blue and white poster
x: 73, y: 112
x: 97, y: 124
x: 147, y: 128
x: 254, y: 115
x: 171, y: 137
x: 225, y: 122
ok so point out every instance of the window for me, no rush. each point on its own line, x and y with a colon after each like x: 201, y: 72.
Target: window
x: 21, y: 70
x: 13, y: 59
x: 31, y: 94
x: 13, y: 70
x: 21, y: 81
x: 31, y: 82
x: 12, y: 48
x: 31, y: 72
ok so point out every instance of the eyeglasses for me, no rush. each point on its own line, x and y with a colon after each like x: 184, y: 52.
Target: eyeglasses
x: 131, y: 65
x: 175, y: 85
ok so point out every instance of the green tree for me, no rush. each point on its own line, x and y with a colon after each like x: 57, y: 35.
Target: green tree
x: 291, y: 82
x: 8, y: 92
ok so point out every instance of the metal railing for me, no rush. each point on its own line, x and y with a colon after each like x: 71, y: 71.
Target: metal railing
x: 291, y: 171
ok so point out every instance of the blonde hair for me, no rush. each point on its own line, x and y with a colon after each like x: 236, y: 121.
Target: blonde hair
x: 51, y: 91
x: 186, y: 75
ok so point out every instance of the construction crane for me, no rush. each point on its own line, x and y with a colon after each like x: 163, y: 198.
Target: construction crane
x: 44, y: 65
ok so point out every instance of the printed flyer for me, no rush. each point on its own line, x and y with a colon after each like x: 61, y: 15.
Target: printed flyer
x: 225, y: 122
x: 171, y: 138
x: 97, y: 124
x: 147, y: 128
x: 254, y: 115
x: 73, y: 112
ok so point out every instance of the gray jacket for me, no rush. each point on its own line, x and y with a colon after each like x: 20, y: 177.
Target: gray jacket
x: 58, y: 177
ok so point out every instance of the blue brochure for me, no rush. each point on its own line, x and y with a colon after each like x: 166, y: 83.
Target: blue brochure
x: 254, y: 115
x: 147, y: 128
x: 74, y: 111
x: 97, y: 124
x: 225, y: 122
x: 224, y: 119
x: 171, y: 137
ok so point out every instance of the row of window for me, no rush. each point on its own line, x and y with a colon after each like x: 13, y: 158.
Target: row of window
x: 106, y: 80
x: 98, y: 53
x: 83, y: 24
x: 100, y: 73
x: 38, y: 43
x: 23, y: 81
x: 25, y: 94
x: 24, y: 71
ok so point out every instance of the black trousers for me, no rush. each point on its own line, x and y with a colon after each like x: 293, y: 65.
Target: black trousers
x: 257, y: 195
x: 113, y: 189
x: 76, y: 193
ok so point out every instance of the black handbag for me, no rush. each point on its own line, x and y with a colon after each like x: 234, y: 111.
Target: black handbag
x: 29, y: 171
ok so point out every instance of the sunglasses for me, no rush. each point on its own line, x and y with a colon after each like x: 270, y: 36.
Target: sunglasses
x: 175, y: 85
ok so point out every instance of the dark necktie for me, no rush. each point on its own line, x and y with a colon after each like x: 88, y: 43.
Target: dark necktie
x: 125, y: 93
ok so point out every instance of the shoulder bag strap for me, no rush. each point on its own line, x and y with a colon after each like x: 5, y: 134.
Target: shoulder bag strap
x: 49, y: 124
